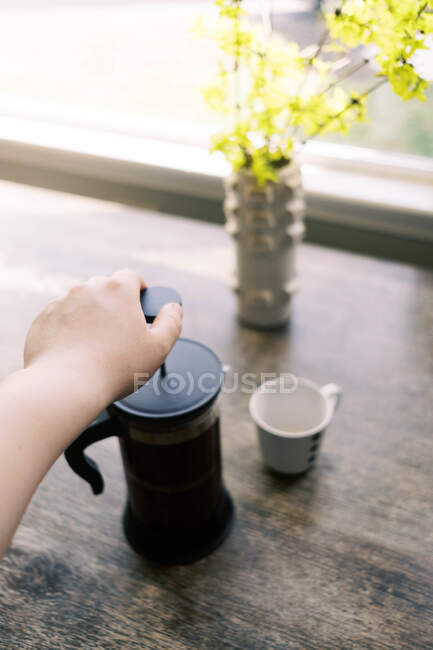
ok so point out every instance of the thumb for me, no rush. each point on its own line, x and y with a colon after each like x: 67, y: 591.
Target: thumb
x: 166, y: 328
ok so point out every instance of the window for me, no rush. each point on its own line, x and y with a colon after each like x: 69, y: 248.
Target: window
x: 135, y: 66
x: 108, y: 91
x: 127, y: 65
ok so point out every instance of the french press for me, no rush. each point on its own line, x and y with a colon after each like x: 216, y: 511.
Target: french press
x: 178, y: 509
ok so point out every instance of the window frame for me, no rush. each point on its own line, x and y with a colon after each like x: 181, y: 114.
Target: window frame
x: 347, y: 188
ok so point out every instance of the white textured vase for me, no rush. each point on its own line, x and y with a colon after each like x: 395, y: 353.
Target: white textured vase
x: 266, y: 224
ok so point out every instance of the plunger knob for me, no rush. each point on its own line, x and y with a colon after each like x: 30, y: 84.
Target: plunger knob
x: 153, y: 298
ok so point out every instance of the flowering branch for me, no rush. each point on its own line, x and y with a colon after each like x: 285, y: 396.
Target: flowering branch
x: 281, y: 95
x: 355, y: 101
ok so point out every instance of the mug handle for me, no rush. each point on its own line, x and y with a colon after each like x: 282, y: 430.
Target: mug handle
x: 79, y: 462
x: 332, y: 392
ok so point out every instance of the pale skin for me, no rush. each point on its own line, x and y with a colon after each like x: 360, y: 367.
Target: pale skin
x: 80, y: 354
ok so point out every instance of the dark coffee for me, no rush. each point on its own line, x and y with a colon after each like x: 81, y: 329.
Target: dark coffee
x: 173, y: 471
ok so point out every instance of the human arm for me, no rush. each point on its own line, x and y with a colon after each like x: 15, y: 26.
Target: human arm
x: 81, y: 353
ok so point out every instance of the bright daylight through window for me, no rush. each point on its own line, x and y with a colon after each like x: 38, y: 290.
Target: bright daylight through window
x: 135, y: 66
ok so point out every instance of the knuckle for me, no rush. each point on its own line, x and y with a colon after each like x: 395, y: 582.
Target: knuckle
x: 51, y: 305
x: 77, y: 290
x: 113, y: 284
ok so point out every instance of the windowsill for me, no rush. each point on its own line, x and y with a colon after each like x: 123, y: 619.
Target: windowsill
x: 344, y: 185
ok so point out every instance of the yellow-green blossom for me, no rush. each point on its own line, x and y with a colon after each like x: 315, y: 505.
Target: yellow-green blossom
x: 272, y: 94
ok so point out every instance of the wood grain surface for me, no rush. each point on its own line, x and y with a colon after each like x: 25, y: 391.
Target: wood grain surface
x: 338, y: 558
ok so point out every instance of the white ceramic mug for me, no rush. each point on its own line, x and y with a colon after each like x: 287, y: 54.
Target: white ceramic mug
x: 291, y: 415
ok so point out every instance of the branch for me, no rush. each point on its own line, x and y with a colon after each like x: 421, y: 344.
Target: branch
x: 318, y: 51
x: 320, y: 46
x: 347, y: 74
x: 350, y: 105
x: 421, y: 10
x: 378, y: 84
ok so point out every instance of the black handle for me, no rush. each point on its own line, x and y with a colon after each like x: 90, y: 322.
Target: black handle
x: 82, y: 465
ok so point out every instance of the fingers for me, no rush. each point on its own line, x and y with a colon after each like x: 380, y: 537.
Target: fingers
x: 130, y: 278
x: 125, y: 278
x: 166, y: 328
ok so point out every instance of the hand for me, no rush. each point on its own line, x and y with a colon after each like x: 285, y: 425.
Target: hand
x: 98, y: 333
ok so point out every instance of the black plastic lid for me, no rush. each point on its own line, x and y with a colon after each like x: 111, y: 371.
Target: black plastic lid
x: 194, y: 378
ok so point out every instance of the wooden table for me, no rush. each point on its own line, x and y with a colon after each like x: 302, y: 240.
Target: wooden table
x: 339, y: 558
